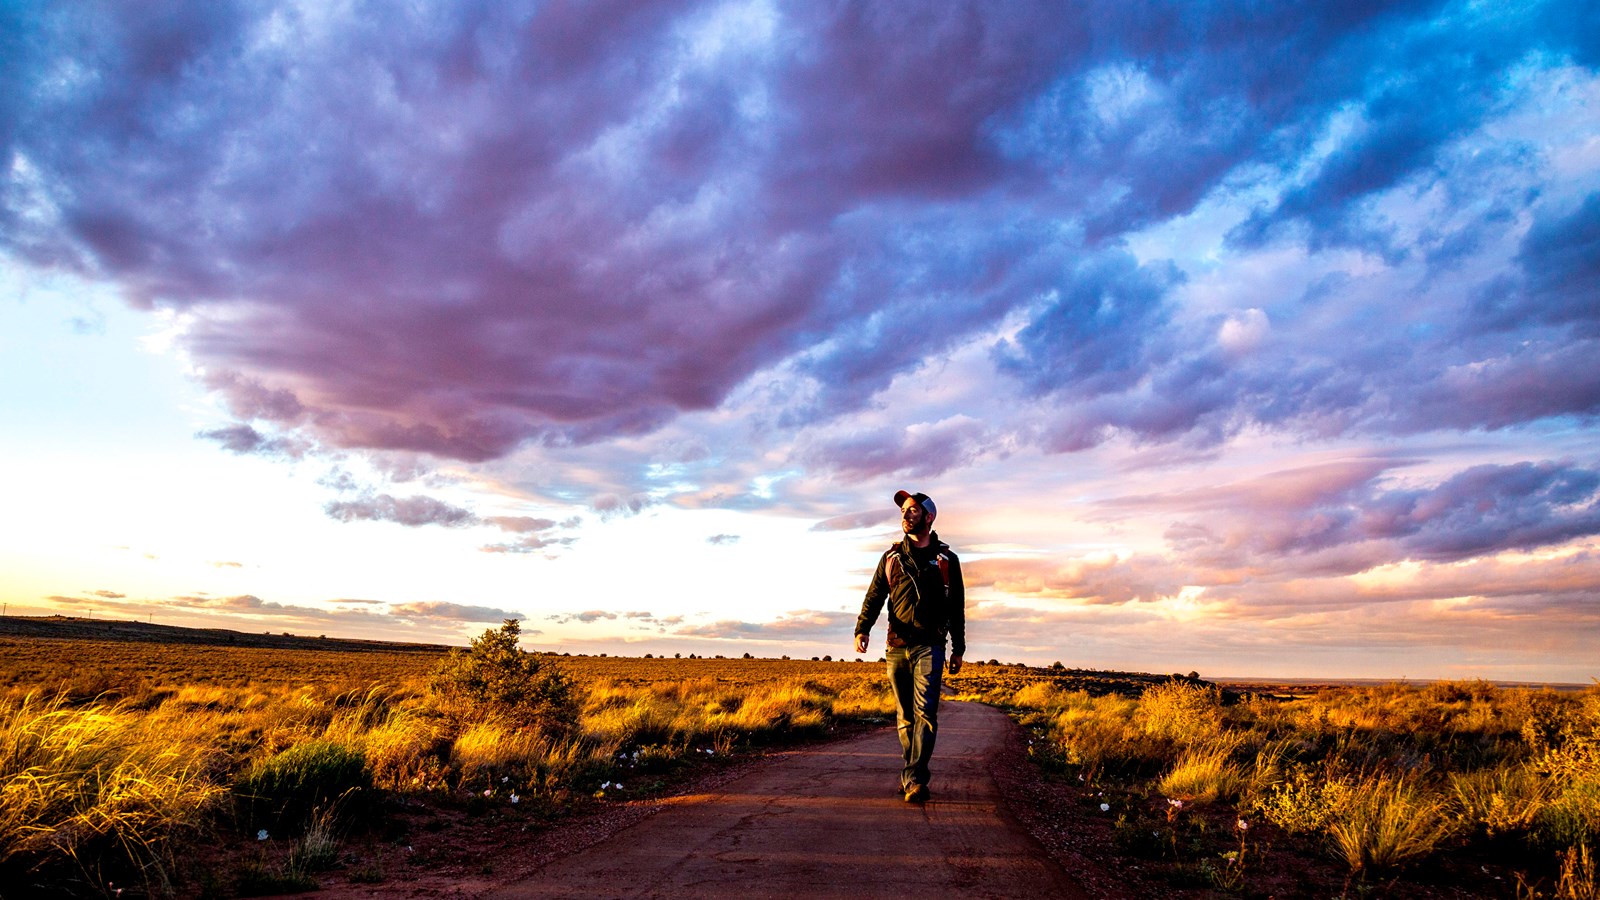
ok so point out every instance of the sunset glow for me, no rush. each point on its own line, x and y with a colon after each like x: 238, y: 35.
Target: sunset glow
x: 1258, y: 341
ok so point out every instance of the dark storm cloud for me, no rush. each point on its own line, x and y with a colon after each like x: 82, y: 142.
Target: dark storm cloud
x: 457, y: 228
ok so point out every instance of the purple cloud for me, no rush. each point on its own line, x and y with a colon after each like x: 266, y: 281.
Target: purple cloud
x: 1342, y: 520
x: 587, y: 616
x: 412, y: 237
x: 453, y: 612
x: 409, y: 511
x: 245, y: 440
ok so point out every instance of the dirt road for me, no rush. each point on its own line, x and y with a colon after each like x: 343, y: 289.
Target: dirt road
x: 826, y: 822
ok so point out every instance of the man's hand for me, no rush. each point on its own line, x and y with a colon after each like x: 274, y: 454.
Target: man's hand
x: 955, y: 664
x: 861, y: 643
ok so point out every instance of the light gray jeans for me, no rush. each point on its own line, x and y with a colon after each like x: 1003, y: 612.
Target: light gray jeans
x: 915, y: 673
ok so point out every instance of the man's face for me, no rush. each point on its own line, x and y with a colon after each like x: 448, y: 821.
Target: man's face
x: 912, y: 519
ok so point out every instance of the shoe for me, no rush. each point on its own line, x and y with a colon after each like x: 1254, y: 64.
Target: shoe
x: 917, y: 793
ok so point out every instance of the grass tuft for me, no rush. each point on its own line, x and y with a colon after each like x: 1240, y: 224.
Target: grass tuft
x: 1386, y: 821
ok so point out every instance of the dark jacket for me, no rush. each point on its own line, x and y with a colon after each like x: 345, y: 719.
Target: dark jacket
x: 921, y: 609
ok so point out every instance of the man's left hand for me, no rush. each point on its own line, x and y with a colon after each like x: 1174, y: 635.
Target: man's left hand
x: 955, y: 664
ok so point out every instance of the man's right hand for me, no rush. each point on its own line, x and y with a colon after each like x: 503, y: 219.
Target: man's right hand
x: 861, y: 643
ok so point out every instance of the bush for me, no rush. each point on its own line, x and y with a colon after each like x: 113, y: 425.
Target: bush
x: 1181, y: 711
x: 493, y: 680
x: 1305, y: 802
x: 286, y: 791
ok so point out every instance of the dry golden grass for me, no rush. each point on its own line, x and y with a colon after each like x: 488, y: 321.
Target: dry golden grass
x: 106, y: 778
x: 1384, y: 775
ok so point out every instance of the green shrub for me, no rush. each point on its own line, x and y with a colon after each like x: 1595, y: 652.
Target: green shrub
x: 1304, y: 802
x: 1571, y: 819
x: 493, y: 680
x: 287, y: 790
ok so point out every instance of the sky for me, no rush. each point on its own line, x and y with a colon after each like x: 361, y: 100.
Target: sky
x: 1246, y: 339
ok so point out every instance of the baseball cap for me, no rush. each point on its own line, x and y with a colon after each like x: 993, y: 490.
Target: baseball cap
x: 923, y: 500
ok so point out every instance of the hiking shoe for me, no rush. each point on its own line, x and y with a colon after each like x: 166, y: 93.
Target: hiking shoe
x: 917, y: 793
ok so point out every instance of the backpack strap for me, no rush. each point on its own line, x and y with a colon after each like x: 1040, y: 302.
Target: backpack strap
x: 894, y: 567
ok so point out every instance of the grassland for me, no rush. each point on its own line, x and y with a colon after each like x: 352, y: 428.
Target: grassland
x: 1443, y: 789
x: 125, y: 763
x: 135, y: 761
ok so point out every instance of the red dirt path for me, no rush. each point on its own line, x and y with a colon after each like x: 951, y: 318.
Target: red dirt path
x: 822, y: 821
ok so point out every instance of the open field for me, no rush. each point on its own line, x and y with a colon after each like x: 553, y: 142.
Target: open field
x: 172, y: 763
x: 119, y: 754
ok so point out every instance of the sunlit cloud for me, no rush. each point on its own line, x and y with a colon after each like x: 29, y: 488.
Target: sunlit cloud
x: 1216, y: 315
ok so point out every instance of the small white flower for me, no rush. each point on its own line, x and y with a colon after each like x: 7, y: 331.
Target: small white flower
x: 1105, y: 807
x: 619, y: 785
x: 515, y: 799
x: 504, y: 778
x: 1176, y: 804
x: 1243, y: 825
x: 487, y: 792
x: 261, y: 835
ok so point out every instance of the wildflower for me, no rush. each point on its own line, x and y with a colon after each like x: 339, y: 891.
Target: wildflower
x: 487, y: 792
x: 504, y: 778
x: 515, y: 799
x: 1105, y: 807
x: 261, y: 835
x: 619, y: 785
x: 1176, y: 804
x: 1242, y: 825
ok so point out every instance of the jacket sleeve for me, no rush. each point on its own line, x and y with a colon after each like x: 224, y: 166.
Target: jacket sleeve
x: 958, y: 609
x: 877, y: 592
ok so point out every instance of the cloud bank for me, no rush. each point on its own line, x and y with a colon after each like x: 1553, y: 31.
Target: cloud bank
x: 749, y: 256
x: 476, y: 227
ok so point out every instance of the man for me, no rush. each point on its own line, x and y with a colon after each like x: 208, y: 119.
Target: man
x: 921, y: 579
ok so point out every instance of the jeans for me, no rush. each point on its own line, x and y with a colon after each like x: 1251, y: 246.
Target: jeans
x: 915, y: 673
